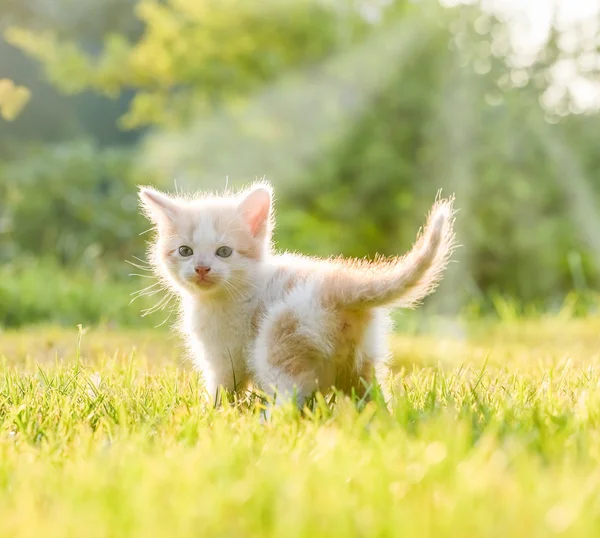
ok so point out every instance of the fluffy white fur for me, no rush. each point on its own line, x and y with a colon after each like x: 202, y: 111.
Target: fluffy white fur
x: 286, y: 323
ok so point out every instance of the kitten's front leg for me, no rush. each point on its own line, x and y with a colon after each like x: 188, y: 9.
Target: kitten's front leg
x: 211, y: 385
x: 281, y: 396
x: 219, y: 369
x: 218, y: 377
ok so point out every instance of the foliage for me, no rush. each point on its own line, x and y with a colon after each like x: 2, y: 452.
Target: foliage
x: 69, y: 223
x: 432, y: 126
x: 50, y: 116
x: 12, y: 99
x: 35, y: 291
x: 72, y: 200
x: 113, y: 433
x: 455, y: 107
x: 197, y: 54
x: 71, y: 20
x: 516, y: 224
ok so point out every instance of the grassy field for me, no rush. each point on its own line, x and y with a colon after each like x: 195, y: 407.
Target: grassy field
x: 496, y: 433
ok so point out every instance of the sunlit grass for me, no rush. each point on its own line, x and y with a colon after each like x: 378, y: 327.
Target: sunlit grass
x: 495, y: 434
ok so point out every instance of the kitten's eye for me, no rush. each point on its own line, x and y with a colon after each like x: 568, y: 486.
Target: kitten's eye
x: 185, y: 251
x: 224, y: 252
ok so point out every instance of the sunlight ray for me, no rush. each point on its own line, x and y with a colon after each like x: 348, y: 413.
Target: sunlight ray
x: 290, y: 122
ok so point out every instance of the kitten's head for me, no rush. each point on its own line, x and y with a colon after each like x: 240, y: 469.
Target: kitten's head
x: 210, y: 244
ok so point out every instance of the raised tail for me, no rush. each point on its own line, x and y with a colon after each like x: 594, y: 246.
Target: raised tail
x: 401, y: 281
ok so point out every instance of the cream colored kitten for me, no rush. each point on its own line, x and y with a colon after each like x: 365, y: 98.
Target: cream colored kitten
x: 286, y: 323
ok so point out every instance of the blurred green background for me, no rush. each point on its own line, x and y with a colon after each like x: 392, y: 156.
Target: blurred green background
x: 358, y: 111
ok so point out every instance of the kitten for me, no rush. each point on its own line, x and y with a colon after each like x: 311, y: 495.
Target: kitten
x: 286, y: 323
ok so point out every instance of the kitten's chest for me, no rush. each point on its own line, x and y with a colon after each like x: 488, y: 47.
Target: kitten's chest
x: 222, y: 329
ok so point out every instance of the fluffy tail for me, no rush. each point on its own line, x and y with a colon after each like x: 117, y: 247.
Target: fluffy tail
x: 398, y: 281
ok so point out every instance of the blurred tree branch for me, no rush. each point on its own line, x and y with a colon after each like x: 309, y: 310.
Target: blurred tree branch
x: 12, y: 99
x: 197, y: 54
x: 185, y: 56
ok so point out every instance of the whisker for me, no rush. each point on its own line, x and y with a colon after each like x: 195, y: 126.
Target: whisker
x: 147, y: 288
x: 155, y: 307
x: 239, y: 293
x: 140, y: 267
x: 233, y: 291
x: 147, y: 294
x: 160, y: 305
x: 143, y: 276
x: 244, y: 282
x: 144, y: 295
x: 164, y: 321
x: 228, y: 288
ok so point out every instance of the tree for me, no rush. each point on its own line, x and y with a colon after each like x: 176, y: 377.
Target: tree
x: 12, y: 99
x: 198, y: 55
x: 447, y: 101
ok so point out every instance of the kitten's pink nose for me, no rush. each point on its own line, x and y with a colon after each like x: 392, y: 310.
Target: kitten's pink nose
x: 202, y: 270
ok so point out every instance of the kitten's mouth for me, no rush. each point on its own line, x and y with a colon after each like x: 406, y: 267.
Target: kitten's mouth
x: 203, y: 282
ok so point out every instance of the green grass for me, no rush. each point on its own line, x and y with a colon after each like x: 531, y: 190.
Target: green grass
x: 496, y: 434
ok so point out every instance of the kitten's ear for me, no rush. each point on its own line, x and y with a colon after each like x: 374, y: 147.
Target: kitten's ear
x: 158, y: 207
x: 256, y: 209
